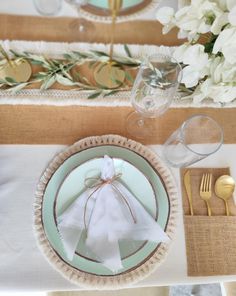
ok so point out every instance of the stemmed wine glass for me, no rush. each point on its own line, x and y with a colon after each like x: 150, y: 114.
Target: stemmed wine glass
x: 154, y: 88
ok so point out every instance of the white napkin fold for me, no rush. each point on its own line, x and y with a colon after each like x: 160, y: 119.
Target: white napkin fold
x: 112, y: 213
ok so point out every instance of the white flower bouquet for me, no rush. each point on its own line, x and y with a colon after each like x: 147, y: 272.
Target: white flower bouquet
x: 209, y: 56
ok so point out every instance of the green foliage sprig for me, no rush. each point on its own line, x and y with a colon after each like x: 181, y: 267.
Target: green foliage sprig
x: 58, y: 70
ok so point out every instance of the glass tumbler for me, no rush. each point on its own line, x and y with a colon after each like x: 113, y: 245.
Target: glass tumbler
x: 48, y: 7
x: 198, y: 137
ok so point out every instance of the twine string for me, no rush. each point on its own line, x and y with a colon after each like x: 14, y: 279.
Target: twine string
x: 98, y: 185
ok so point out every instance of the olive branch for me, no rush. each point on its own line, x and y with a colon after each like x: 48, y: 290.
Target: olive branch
x: 59, y: 70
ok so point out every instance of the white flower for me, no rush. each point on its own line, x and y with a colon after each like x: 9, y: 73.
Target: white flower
x: 232, y: 16
x: 219, y: 86
x: 217, y: 92
x: 182, y: 34
x: 211, y: 74
x: 222, y: 93
x: 190, y: 76
x: 165, y: 15
x: 195, y: 56
x: 219, y: 23
x: 201, y: 17
x: 202, y: 91
x: 179, y: 52
x: 229, y: 75
x: 196, y: 61
x: 230, y: 4
x: 226, y: 43
x: 222, y: 4
x: 215, y: 69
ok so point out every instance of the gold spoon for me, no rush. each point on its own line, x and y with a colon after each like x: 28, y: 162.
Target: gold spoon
x: 224, y: 188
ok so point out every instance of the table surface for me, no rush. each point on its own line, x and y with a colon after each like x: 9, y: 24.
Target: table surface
x: 24, y: 268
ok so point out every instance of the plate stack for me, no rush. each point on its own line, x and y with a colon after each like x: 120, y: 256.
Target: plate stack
x: 142, y: 172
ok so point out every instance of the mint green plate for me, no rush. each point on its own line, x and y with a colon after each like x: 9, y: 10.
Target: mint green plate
x: 73, y: 185
x: 139, y: 177
x: 104, y: 3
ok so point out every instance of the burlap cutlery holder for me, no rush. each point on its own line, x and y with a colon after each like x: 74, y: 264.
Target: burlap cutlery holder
x: 210, y: 241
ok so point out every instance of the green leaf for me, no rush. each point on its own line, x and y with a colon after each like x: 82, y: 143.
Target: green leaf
x: 91, y: 64
x: 15, y: 53
x: 85, y: 80
x: 38, y: 59
x: 126, y: 48
x: 116, y: 81
x: 55, y: 62
x: 111, y: 93
x: 64, y: 70
x: 10, y: 80
x: 126, y: 61
x: 18, y: 87
x: 40, y: 75
x: 208, y: 47
x: 80, y: 54
x: 102, y: 66
x: 36, y: 63
x: 100, y: 53
x: 129, y: 77
x: 94, y: 95
x: 64, y: 81
x: 67, y: 56
x: 48, y: 82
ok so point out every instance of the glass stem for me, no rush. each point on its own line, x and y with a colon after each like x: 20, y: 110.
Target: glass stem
x: 81, y: 25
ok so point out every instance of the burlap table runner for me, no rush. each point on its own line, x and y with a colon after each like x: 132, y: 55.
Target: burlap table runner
x: 210, y: 241
x: 28, y: 124
x: 31, y: 124
x: 65, y: 29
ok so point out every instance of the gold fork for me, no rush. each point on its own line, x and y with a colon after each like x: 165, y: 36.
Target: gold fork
x: 205, y: 190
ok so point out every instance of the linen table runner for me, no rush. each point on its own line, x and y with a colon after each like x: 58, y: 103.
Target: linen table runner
x: 210, y: 241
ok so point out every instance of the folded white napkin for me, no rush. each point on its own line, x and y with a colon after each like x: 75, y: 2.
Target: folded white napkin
x: 108, y: 212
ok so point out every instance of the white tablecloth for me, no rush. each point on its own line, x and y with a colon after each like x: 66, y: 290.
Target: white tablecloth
x: 22, y: 265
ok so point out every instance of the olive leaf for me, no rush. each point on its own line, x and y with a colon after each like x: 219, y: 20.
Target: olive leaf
x: 18, y: 87
x: 100, y: 53
x: 111, y: 92
x: 94, y: 95
x: 129, y: 77
x: 10, y: 80
x: 126, y: 48
x: 48, y: 82
x: 64, y: 80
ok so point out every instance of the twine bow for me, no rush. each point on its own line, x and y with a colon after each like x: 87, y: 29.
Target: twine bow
x: 98, y: 184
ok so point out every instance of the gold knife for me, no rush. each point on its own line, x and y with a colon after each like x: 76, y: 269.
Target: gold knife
x: 187, y: 184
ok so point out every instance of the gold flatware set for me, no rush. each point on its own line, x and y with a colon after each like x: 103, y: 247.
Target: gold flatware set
x: 223, y: 188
